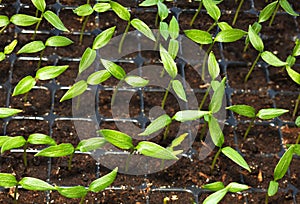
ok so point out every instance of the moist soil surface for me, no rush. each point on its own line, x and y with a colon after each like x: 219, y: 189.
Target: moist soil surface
x: 267, y: 87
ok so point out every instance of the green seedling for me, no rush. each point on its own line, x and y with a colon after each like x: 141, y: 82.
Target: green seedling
x: 8, y: 112
x: 86, y: 10
x: 27, y: 20
x: 8, y: 49
x: 272, y: 8
x: 250, y: 112
x: 162, y: 9
x: 39, y: 46
x: 67, y: 149
x: 256, y: 28
x: 221, y: 191
x: 237, y: 11
x: 8, y: 143
x: 4, y: 22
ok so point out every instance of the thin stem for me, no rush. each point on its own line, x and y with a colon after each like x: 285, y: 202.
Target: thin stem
x: 267, y: 198
x: 237, y: 12
x: 203, y: 130
x: 166, y: 132
x: 41, y: 56
x: 123, y: 37
x: 25, y: 155
x: 82, y: 199
x: 215, y: 159
x: 296, y: 106
x: 15, y: 195
x: 37, y: 27
x: 113, y: 97
x: 70, y: 161
x: 274, y: 14
x: 246, y: 47
x: 252, y: 67
x: 165, y: 96
x: 205, y: 97
x: 127, y: 162
x: 2, y: 29
x: 83, y: 28
x: 249, y: 128
x: 157, y: 40
x: 205, y: 59
x: 298, y: 139
x: 156, y: 19
x: 162, y: 73
x: 212, y: 26
x: 196, y: 14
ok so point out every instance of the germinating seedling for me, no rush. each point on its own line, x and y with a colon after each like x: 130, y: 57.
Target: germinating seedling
x: 34, y: 184
x: 8, y: 49
x: 4, y: 22
x: 162, y: 9
x: 250, y: 112
x: 8, y: 112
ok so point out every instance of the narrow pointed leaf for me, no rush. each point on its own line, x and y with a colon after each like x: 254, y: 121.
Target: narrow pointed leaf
x: 7, y: 180
x: 212, y: 9
x: 168, y: 62
x: 174, y: 28
x: 87, y: 59
x: 103, y: 38
x: 7, y: 112
x: 267, y: 12
x: 91, y: 144
x: 34, y: 184
x: 215, y: 132
x: 199, y: 36
x: 58, y: 41
x: 13, y: 143
x: 24, y: 20
x: 77, y: 89
x: 157, y: 124
x: 148, y: 3
x: 173, y: 48
x: 101, y: 7
x: 143, y: 28
x: 39, y: 4
x: 189, y: 115
x: 98, y: 77
x: 283, y: 164
x: 216, y: 197
x: 178, y: 140
x: 72, y: 192
x: 224, y: 26
x: 295, y: 76
x: 244, y: 110
x: 179, y: 90
x: 215, y: 186
x: 297, y: 149
x: 84, y: 10
x: 136, y: 81
x: 217, y: 98
x: 10, y: 47
x: 24, y: 85
x: 114, y: 69
x: 287, y: 7
x: 120, y: 10
x: 39, y: 138
x: 163, y: 29
x: 273, y: 188
x: 231, y: 35
x: 117, y: 138
x: 235, y: 157
x: 4, y: 20
x: 297, y: 121
x: 163, y: 10
x: 2, y: 56
x: 154, y: 150
x: 234, y: 187
x: 213, y: 66
x: 296, y: 50
x: 54, y: 20
x: 60, y: 150
x: 3, y: 139
x: 271, y: 59
x: 255, y: 40
x: 32, y: 47
x: 50, y: 72
x: 101, y: 183
x: 270, y: 113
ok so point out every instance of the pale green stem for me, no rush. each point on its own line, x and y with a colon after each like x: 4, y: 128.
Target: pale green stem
x: 123, y: 37
x: 196, y: 14
x: 237, y: 12
x: 70, y: 161
x: 166, y: 132
x: 25, y: 155
x: 215, y: 159
x: 15, y: 195
x: 41, y: 56
x: 296, y: 106
x: 205, y: 97
x: 113, y: 97
x: 166, y: 95
x: 2, y: 29
x: 252, y: 67
x: 37, y: 27
x: 83, y: 28
x: 274, y: 14
x: 249, y: 128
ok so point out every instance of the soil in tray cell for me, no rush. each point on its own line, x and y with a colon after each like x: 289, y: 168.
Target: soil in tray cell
x: 4, y: 70
x: 25, y: 196
x: 289, y: 134
x: 68, y: 77
x: 2, y: 97
x: 287, y: 102
x: 171, y: 197
x: 27, y: 127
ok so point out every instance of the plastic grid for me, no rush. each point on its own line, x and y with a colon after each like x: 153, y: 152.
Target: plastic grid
x: 53, y: 87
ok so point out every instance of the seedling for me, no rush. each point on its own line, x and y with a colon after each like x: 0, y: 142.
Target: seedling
x: 250, y: 112
x: 221, y: 191
x: 27, y: 20
x: 8, y: 112
x: 272, y: 8
x: 162, y: 9
x: 8, y: 49
x: 8, y: 143
x: 4, y: 22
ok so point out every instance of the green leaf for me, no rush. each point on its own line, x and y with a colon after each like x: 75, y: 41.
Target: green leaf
x: 77, y: 89
x: 173, y: 48
x: 273, y: 188
x: 291, y: 60
x: 39, y: 4
x: 244, y: 110
x: 117, y: 138
x: 148, y: 3
x: 163, y: 29
x: 154, y: 150
x: 143, y: 28
x: 270, y: 113
x: 297, y: 149
x: 54, y: 20
x: 101, y: 7
x: 84, y: 10
x: 168, y: 62
x: 256, y: 28
x: 24, y: 20
x: 63, y: 149
x: 103, y: 38
x: 199, y: 36
x: 213, y: 66
x: 295, y: 76
x: 217, y: 98
x: 2, y: 56
x: 231, y: 35
x: 178, y: 140
x: 271, y: 59
x: 3, y: 139
x: 224, y: 26
x: 157, y: 124
x: 297, y: 121
x: 296, y: 50
x: 58, y: 41
x: 4, y: 20
x: 174, y: 28
x: 216, y: 197
x: 90, y: 144
x: 179, y: 90
x: 32, y: 47
x: 13, y: 143
x: 103, y: 182
x: 120, y: 10
x: 234, y: 187
x: 7, y: 180
x: 34, y: 184
x: 163, y: 10
x: 87, y: 59
x: 287, y: 7
x: 215, y: 186
x: 189, y: 115
x: 7, y: 112
x: 9, y: 48
x: 255, y: 40
x: 284, y: 163
x: 114, y: 69
x: 38, y: 138
x: 24, y: 85
x: 98, y: 77
x: 212, y: 9
x: 235, y: 157
x: 50, y: 72
x: 267, y: 12
x: 215, y: 131
x: 136, y: 81
x: 72, y: 192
